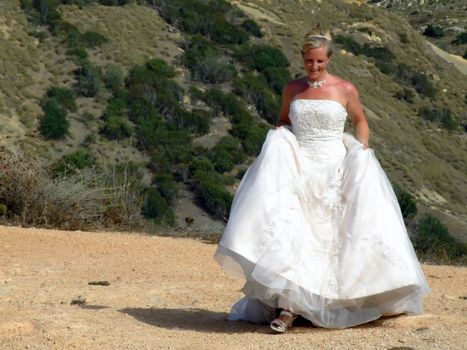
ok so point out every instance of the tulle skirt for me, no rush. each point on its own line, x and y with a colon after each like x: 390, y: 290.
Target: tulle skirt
x: 324, y: 239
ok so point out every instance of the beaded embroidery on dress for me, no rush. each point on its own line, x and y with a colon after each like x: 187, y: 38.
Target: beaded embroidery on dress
x: 315, y: 228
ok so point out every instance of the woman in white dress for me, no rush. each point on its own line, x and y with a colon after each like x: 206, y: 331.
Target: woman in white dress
x: 315, y: 228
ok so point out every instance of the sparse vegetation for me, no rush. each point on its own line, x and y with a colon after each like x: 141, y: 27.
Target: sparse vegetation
x: 433, y: 31
x: 433, y: 243
x: 442, y: 116
x: 54, y: 123
x: 82, y: 201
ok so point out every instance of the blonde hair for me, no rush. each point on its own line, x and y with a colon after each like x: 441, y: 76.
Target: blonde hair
x: 317, y: 38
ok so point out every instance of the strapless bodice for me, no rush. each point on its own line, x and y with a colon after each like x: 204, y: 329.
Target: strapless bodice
x: 318, y: 126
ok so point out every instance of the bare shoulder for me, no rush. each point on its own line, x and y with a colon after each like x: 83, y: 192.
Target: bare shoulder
x: 293, y: 87
x: 346, y: 87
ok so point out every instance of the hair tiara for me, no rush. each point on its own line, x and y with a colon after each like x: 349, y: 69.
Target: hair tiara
x: 317, y: 36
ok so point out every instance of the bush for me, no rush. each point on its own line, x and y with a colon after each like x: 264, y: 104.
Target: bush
x: 276, y: 78
x: 433, y: 31
x: 433, y: 242
x: 206, y: 63
x: 407, y: 203
x: 460, y: 39
x: 348, y: 44
x: 92, y: 39
x: 257, y: 93
x: 442, y: 116
x: 69, y: 33
x: 211, y: 193
x: 260, y: 57
x: 65, y: 97
x: 197, y: 121
x: 47, y: 10
x: 160, y: 68
x: 252, y: 27
x: 252, y: 136
x: 115, y: 125
x: 155, y: 207
x: 113, y: 77
x: 83, y: 201
x: 54, y: 123
x: 406, y: 75
x: 89, y: 80
x: 405, y: 94
x: 226, y: 154
x: 70, y: 164
x: 80, y: 53
x: 204, y: 17
x: 167, y: 186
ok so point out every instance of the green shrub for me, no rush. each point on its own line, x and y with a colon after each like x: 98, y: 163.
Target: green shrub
x: 47, y: 10
x: 211, y: 193
x: 262, y: 56
x: 256, y: 92
x: 116, y: 128
x: 115, y: 125
x: 276, y: 78
x: 433, y: 242
x: 204, y: 17
x: 407, y: 203
x: 205, y: 62
x: 113, y: 77
x: 92, y: 39
x: 160, y: 68
x: 155, y: 207
x: 348, y: 44
x: 405, y: 94
x: 69, y: 33
x: 79, y: 52
x: 197, y: 121
x: 69, y: 164
x: 167, y: 186
x: 89, y: 79
x: 54, y: 123
x: 65, y: 97
x: 442, y: 116
x: 252, y: 135
x: 3, y: 209
x: 433, y: 31
x: 460, y: 39
x: 406, y: 75
x: 404, y: 39
x: 226, y: 154
x: 252, y: 27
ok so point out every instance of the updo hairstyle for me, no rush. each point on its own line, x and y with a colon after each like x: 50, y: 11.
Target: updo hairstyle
x: 317, y: 38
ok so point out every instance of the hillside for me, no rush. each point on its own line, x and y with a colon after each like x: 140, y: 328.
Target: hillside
x: 446, y: 18
x: 160, y: 297
x: 425, y: 153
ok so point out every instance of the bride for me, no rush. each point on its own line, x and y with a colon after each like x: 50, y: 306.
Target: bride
x: 315, y: 228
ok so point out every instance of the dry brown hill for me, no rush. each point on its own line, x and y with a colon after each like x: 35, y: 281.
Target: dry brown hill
x: 429, y: 161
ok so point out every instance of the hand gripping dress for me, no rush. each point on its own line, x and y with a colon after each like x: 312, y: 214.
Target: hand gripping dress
x: 315, y: 228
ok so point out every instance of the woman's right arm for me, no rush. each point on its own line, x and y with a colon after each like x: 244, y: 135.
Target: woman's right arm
x: 287, y: 94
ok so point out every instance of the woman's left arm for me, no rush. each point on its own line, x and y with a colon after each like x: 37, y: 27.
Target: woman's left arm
x: 355, y: 110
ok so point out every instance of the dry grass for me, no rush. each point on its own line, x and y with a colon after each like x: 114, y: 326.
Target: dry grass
x: 86, y: 200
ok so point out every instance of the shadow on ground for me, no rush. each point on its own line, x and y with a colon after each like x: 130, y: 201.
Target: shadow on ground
x: 216, y: 322
x: 193, y: 319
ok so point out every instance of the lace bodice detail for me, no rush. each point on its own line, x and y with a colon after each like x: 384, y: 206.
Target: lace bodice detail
x: 318, y: 125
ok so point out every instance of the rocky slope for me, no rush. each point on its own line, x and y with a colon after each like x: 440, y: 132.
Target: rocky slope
x: 429, y: 161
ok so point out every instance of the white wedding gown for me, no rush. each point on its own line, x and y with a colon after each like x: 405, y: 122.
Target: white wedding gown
x: 315, y: 228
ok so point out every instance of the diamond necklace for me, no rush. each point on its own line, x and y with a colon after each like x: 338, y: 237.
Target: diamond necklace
x: 315, y: 84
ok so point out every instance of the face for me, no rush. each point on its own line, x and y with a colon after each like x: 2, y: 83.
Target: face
x: 315, y: 62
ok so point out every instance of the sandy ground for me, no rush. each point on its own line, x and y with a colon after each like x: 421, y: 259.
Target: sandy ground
x: 168, y: 293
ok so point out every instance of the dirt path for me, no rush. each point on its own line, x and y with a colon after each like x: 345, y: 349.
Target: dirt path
x: 168, y: 293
